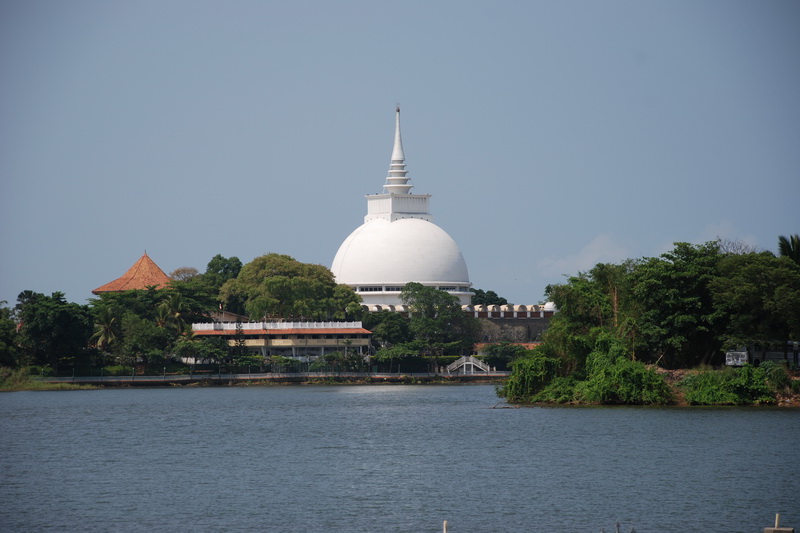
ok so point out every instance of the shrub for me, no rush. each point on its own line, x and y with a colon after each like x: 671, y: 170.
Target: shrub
x: 560, y: 390
x: 530, y: 375
x: 621, y: 382
x: 777, y: 376
x: 731, y: 386
x: 708, y: 388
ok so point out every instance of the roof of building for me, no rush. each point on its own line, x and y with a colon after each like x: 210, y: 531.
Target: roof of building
x: 143, y: 274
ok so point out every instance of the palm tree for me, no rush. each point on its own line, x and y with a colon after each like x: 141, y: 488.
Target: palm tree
x: 105, y: 327
x: 162, y: 315
x: 174, y: 304
x: 790, y: 247
x: 170, y: 312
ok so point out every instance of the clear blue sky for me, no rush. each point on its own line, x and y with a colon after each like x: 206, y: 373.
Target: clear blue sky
x: 552, y: 134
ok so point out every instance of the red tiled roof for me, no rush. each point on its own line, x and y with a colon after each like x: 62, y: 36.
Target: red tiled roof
x: 143, y: 274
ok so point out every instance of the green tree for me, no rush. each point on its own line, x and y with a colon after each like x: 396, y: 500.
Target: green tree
x: 760, y: 296
x: 53, y: 331
x: 531, y: 375
x: 679, y: 321
x: 387, y: 328
x: 171, y: 308
x: 437, y: 319
x: 584, y: 311
x: 142, y: 303
x: 143, y: 341
x: 480, y: 297
x: 201, y: 349
x: 790, y: 247
x: 8, y: 336
x: 220, y: 269
x: 199, y: 298
x: 502, y: 354
x: 278, y: 286
x: 106, y: 328
x: 398, y: 354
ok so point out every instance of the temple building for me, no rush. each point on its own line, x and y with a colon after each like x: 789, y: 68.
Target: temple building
x: 142, y: 275
x: 398, y: 243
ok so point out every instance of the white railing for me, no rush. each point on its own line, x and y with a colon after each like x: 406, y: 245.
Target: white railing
x: 231, y: 326
x: 468, y: 365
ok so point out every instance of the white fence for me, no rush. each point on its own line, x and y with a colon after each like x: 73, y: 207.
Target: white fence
x: 231, y: 326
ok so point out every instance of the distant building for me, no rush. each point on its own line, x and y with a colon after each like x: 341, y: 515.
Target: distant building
x: 399, y: 243
x: 291, y: 339
x: 143, y: 274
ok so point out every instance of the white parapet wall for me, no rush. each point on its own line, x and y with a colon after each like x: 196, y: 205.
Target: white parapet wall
x: 245, y: 326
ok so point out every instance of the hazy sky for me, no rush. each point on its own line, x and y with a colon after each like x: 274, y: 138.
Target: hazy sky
x: 552, y: 134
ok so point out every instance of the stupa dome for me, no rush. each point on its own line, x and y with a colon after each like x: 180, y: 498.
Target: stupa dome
x: 399, y: 243
x: 380, y: 252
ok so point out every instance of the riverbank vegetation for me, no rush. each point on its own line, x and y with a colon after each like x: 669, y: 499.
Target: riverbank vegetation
x: 18, y: 379
x: 620, y: 325
x: 149, y: 331
x: 619, y: 331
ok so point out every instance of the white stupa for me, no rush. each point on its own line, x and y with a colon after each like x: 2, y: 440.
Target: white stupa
x: 399, y: 243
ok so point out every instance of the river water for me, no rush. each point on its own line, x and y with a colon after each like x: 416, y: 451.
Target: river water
x: 387, y: 458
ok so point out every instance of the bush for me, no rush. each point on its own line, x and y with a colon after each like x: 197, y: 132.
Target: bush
x: 560, y: 390
x: 117, y: 370
x: 732, y: 386
x: 621, y: 382
x: 530, y: 375
x: 777, y: 376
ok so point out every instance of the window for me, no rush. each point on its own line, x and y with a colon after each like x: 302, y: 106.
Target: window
x: 393, y: 288
x: 370, y: 288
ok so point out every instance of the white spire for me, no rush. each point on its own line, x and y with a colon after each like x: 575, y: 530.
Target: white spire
x: 396, y: 201
x: 397, y: 181
x: 397, y: 153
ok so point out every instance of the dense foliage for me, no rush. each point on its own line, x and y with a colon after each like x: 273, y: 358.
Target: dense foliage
x: 616, y: 324
x: 680, y: 310
x: 53, y: 331
x: 278, y: 286
x: 736, y: 386
x: 151, y: 329
x: 481, y: 297
x: 609, y: 377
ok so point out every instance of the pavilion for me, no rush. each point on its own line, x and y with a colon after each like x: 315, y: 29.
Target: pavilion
x: 141, y: 276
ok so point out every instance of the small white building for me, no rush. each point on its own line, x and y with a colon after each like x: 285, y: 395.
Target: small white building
x: 399, y: 243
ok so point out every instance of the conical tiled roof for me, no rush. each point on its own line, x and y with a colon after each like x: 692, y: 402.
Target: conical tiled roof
x: 143, y: 274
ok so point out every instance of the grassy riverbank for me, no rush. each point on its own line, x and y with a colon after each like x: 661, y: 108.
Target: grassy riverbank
x: 19, y: 379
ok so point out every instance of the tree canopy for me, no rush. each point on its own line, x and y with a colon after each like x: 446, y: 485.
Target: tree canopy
x: 52, y: 330
x: 680, y: 309
x: 437, y: 318
x: 480, y: 297
x: 279, y: 286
